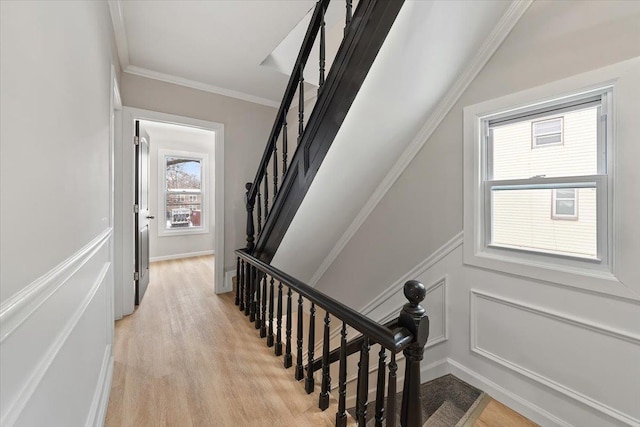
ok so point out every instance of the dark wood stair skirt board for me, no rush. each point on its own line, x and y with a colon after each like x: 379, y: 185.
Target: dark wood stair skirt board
x: 446, y: 402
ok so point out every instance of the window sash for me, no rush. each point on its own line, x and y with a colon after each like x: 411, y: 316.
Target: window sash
x: 183, y: 195
x: 599, y: 182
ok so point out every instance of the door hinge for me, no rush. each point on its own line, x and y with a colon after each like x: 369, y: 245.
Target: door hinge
x: 136, y: 209
x: 136, y: 276
x: 136, y: 140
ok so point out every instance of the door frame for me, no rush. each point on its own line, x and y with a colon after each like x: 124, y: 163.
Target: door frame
x: 125, y: 195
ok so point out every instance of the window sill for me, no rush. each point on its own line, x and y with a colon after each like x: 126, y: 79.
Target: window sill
x: 182, y: 232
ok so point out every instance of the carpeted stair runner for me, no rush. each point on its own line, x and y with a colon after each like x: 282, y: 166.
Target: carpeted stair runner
x: 446, y: 402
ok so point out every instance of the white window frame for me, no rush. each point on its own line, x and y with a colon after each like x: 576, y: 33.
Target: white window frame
x: 559, y: 216
x: 203, y: 158
x: 573, y: 271
x: 534, y: 135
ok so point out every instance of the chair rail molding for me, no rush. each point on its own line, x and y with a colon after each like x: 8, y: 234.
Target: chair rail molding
x: 18, y: 308
x: 14, y: 408
x: 437, y: 256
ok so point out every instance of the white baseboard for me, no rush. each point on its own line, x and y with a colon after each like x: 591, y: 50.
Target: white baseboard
x: 180, y: 256
x: 228, y: 281
x: 98, y: 411
x: 505, y: 396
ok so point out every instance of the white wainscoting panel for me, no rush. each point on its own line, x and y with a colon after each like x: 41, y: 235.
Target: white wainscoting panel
x: 524, y: 338
x: 55, y: 351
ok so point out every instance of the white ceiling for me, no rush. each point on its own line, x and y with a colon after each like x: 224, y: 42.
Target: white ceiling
x: 216, y: 46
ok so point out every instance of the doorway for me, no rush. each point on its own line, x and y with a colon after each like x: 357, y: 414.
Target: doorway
x: 185, y: 212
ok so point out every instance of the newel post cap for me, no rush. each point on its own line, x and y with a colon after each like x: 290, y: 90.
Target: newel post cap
x: 413, y: 315
x: 415, y: 292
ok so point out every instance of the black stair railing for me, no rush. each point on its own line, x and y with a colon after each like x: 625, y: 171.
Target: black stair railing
x: 408, y: 333
x: 364, y: 32
x: 270, y: 155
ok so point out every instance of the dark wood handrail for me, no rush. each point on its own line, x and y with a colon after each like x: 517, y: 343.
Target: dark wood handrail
x: 395, y: 341
x: 292, y: 86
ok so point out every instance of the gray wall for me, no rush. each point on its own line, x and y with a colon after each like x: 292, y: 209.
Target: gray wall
x: 246, y: 125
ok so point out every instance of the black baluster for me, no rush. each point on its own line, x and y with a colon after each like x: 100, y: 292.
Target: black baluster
x: 284, y: 147
x: 301, y: 105
x: 299, y: 369
x: 248, y: 289
x: 322, y: 50
x: 242, y: 286
x: 266, y: 195
x: 362, y: 396
x: 275, y: 171
x: 287, y: 355
x: 308, y: 382
x: 379, y: 416
x: 278, y: 347
x: 237, y: 300
x: 270, y: 333
x: 259, y: 215
x: 254, y: 314
x: 341, y: 415
x: 391, y: 394
x: 323, y: 402
x: 263, y: 319
x: 250, y: 230
x: 349, y: 15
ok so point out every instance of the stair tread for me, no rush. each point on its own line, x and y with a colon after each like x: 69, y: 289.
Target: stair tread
x: 447, y: 415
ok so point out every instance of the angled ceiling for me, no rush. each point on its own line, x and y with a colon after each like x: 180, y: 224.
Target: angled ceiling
x: 217, y: 46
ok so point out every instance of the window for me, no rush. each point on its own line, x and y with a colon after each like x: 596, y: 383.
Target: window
x: 546, y: 132
x: 183, y: 192
x: 564, y: 204
x: 539, y: 191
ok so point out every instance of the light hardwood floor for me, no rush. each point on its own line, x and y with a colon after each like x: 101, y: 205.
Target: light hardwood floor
x: 498, y: 415
x: 188, y: 357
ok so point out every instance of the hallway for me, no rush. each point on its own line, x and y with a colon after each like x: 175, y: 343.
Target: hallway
x: 187, y: 357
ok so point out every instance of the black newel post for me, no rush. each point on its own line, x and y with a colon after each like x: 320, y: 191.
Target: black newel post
x: 414, y: 318
x: 250, y: 230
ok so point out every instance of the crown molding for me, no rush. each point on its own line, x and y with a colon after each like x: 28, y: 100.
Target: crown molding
x: 488, y: 48
x: 119, y: 32
x: 193, y: 84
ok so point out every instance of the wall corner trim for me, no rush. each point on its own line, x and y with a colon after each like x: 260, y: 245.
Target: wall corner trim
x: 488, y: 48
x: 98, y: 411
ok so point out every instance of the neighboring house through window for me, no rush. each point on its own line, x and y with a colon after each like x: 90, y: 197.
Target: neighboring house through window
x: 541, y: 182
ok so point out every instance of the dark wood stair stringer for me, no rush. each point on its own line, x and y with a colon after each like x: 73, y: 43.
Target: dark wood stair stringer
x: 368, y: 29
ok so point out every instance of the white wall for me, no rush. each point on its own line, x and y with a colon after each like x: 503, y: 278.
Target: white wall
x: 56, y: 279
x: 166, y: 136
x: 246, y: 126
x: 560, y: 355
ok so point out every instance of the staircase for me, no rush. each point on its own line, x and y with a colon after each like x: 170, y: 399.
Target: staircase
x: 265, y: 293
x: 272, y: 202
